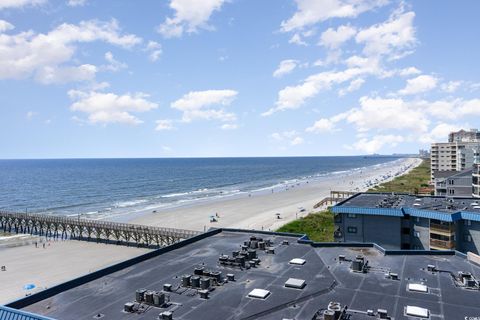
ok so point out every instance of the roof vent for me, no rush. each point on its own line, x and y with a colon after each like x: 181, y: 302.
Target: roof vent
x: 417, y: 312
x: 295, y: 283
x: 417, y: 287
x: 297, y: 261
x: 259, y: 293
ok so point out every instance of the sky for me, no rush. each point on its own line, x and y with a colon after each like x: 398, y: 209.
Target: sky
x: 228, y: 78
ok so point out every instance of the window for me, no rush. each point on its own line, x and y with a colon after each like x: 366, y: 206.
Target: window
x: 467, y: 238
x: 352, y: 229
x: 417, y: 219
x: 352, y: 215
x: 467, y: 222
x: 416, y: 234
x: 338, y: 218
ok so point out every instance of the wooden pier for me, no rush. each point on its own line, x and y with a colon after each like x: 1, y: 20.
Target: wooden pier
x: 91, y: 230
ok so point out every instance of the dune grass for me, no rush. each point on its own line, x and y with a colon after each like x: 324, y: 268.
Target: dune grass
x: 318, y: 226
x: 411, y: 182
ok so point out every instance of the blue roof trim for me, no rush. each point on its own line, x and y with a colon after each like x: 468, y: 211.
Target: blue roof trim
x: 369, y: 211
x: 470, y: 216
x: 400, y: 212
x: 447, y: 217
x: 7, y: 313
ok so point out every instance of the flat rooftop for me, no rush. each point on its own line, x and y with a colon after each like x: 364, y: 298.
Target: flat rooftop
x: 327, y: 274
x: 397, y: 201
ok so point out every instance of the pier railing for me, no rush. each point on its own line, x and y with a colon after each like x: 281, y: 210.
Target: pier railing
x: 91, y: 230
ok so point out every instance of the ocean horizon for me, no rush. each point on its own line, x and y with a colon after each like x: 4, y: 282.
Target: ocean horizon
x: 98, y: 188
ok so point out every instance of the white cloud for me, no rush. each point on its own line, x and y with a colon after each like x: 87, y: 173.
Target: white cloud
x: 109, y: 107
x: 410, y: 71
x: 322, y: 125
x: 353, y: 86
x: 114, y: 65
x: 54, y: 74
x: 199, y: 105
x: 190, y: 15
x: 5, y: 26
x: 229, y: 126
x: 387, y: 114
x: 293, y: 138
x: 4, y: 4
x: 451, y: 86
x: 155, y: 50
x: 333, y: 39
x: 296, y: 141
x: 76, y: 3
x: 285, y: 67
x: 42, y: 56
x: 292, y: 97
x: 392, y: 38
x: 163, y: 125
x: 376, y: 143
x: 419, y: 84
x: 297, y: 39
x: 310, y: 12
x: 439, y: 133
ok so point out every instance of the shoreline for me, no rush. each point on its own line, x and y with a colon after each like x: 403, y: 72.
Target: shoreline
x: 258, y: 211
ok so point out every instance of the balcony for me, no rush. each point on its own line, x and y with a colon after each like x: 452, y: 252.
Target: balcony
x: 442, y: 229
x: 441, y: 244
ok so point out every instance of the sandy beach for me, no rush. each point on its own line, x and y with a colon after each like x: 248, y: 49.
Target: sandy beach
x: 258, y: 211
x: 58, y: 262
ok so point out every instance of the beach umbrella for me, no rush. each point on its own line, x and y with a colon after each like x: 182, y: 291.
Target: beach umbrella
x: 29, y: 286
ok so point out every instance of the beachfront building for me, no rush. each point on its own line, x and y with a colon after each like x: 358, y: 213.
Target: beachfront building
x: 452, y: 156
x: 453, y: 183
x: 464, y: 135
x: 401, y: 221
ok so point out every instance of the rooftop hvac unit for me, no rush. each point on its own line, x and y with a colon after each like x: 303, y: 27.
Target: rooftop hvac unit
x: 417, y: 287
x: 195, y: 281
x: 166, y: 315
x: 199, y: 270
x: 186, y: 280
x: 261, y: 245
x: 382, y: 313
x: 128, y: 307
x: 285, y: 242
x: 230, y: 277
x: 167, y: 287
x: 149, y: 297
x: 358, y: 265
x: 139, y: 295
x: 158, y: 299
x: 341, y: 257
x: 204, y: 283
x: 336, y: 308
x: 271, y: 250
x: 203, y: 294
x: 329, y: 315
x: 235, y: 253
x: 252, y: 253
x: 217, y: 276
x: 431, y: 268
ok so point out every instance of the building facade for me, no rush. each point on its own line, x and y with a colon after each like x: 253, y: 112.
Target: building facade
x: 453, y: 183
x: 409, y: 222
x: 464, y: 135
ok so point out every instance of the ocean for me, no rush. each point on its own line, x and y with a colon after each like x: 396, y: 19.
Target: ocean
x: 98, y: 188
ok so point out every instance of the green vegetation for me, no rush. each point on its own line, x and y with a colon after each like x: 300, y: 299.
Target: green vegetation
x: 318, y: 226
x: 413, y: 182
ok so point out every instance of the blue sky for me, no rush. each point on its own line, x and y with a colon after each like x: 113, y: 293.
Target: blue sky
x: 190, y: 78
